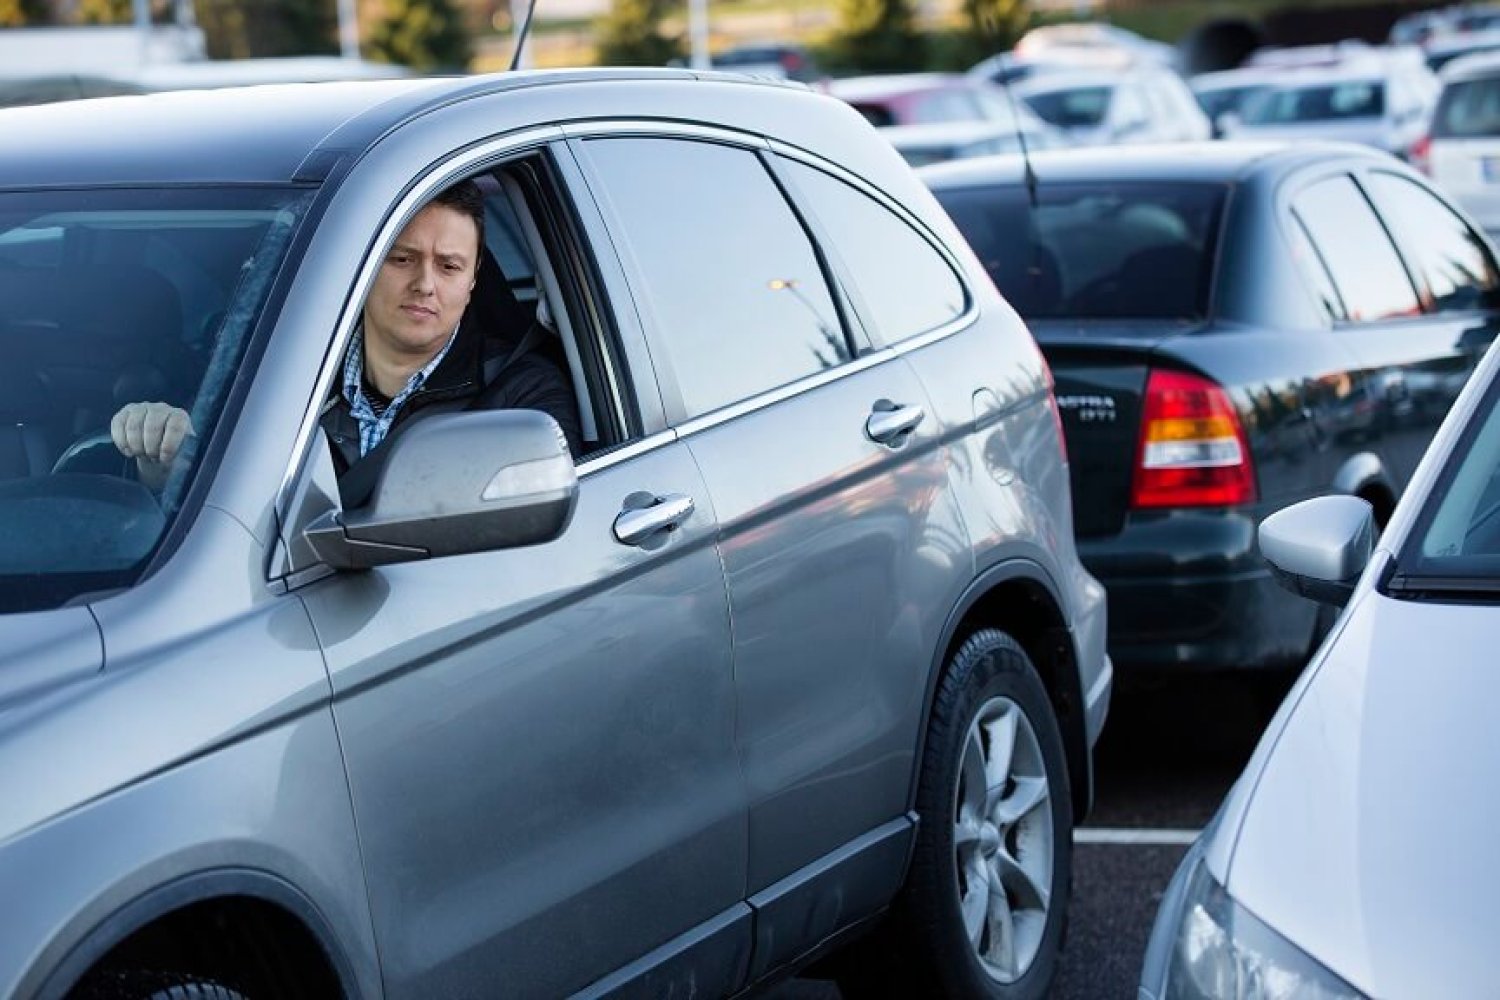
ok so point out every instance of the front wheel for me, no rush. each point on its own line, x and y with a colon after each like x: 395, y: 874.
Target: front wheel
x: 984, y: 907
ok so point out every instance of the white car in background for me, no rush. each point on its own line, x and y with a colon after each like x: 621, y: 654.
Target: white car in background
x: 921, y: 145
x: 1355, y: 856
x: 1098, y: 107
x: 1463, y: 154
x: 1381, y: 102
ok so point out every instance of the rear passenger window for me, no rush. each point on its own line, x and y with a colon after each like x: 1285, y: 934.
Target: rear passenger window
x: 1314, y: 271
x: 1448, y: 256
x: 1366, y: 270
x: 907, y: 286
x: 736, y: 296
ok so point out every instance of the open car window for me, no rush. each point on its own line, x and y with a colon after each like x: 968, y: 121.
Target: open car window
x: 109, y: 298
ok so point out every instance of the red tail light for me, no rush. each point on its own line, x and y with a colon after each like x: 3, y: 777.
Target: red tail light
x: 1420, y: 155
x: 1193, y: 451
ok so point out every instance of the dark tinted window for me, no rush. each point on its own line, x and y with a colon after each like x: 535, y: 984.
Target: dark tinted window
x: 906, y: 284
x: 1449, y: 257
x: 737, y: 296
x: 1455, y: 546
x: 1468, y: 108
x: 1370, y: 277
x: 1355, y: 99
x: 1095, y: 251
x: 1084, y: 106
x: 1310, y: 265
x: 876, y: 114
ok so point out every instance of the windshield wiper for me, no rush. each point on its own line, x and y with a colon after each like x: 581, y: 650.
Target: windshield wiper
x: 1413, y: 587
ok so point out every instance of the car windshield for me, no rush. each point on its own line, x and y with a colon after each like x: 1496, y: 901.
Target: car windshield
x: 1328, y: 102
x: 1095, y: 250
x: 1455, y: 547
x: 109, y: 297
x: 1468, y: 108
x: 1080, y: 107
x: 1225, y: 99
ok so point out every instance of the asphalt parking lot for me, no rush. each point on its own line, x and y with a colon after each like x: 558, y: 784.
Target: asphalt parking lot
x: 1172, y: 748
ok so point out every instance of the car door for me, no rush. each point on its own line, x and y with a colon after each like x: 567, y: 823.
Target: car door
x: 540, y: 741
x: 830, y: 485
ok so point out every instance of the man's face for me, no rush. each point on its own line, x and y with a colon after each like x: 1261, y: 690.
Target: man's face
x: 423, y: 285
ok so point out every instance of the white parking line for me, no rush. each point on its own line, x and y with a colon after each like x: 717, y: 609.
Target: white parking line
x: 1134, y: 837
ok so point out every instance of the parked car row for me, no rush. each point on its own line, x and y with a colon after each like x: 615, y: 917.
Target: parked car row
x: 786, y: 641
x: 798, y: 648
x: 1232, y: 328
x: 1305, y: 878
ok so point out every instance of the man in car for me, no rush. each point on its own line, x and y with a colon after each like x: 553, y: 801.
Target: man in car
x: 416, y: 351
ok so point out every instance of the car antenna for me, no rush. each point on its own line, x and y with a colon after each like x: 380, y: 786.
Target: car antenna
x: 1015, y: 117
x: 515, y: 59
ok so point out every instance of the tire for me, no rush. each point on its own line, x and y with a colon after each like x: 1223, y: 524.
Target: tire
x: 968, y: 841
x: 140, y: 985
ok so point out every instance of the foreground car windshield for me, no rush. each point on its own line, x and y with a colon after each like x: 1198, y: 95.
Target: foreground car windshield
x: 1455, y: 549
x: 1095, y: 250
x: 109, y: 298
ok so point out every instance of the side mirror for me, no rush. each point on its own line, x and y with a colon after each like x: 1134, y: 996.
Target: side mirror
x: 1318, y: 548
x: 1226, y: 123
x: 456, y: 483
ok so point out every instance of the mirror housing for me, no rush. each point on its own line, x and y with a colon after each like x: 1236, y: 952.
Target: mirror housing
x: 455, y: 483
x: 1318, y: 548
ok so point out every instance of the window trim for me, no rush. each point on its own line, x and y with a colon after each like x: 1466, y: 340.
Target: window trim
x: 1352, y: 173
x: 844, y: 276
x: 488, y: 155
x: 1425, y: 295
x: 667, y: 377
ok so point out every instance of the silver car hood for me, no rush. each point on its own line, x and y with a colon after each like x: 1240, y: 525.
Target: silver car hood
x: 1367, y: 821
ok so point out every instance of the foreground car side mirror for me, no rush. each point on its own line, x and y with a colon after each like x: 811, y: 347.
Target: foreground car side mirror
x: 1318, y: 548
x: 456, y: 483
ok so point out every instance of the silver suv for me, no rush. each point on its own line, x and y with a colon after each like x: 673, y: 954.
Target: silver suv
x: 783, y: 642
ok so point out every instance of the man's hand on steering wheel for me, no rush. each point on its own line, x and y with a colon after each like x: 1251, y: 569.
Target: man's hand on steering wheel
x: 152, y: 434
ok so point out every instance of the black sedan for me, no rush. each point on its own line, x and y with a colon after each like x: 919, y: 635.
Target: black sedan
x: 1232, y: 328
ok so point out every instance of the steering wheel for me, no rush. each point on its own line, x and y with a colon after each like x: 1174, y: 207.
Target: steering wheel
x: 93, y: 454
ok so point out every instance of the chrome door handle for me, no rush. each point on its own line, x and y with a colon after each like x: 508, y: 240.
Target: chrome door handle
x: 634, y: 525
x: 889, y: 426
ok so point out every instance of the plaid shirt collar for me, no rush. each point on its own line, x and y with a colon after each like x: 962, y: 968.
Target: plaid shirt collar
x: 372, y: 427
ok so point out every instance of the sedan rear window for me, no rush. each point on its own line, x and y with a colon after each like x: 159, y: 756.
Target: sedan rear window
x: 1082, y: 107
x: 1468, y: 108
x: 1329, y: 102
x: 110, y: 298
x: 1095, y: 250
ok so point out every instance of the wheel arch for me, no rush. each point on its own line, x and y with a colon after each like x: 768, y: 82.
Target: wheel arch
x: 284, y: 917
x: 1365, y: 475
x: 1019, y: 597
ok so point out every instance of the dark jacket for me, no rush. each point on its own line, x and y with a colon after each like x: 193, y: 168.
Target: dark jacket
x: 529, y: 379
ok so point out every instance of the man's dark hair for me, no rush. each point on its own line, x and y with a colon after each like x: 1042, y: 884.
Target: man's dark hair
x: 464, y: 197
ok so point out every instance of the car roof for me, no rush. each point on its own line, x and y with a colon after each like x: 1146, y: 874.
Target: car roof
x: 872, y: 88
x: 1471, y: 67
x: 1243, y: 76
x: 1205, y: 162
x: 1069, y: 79
x: 949, y: 133
x: 1326, y: 76
x: 259, y: 134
